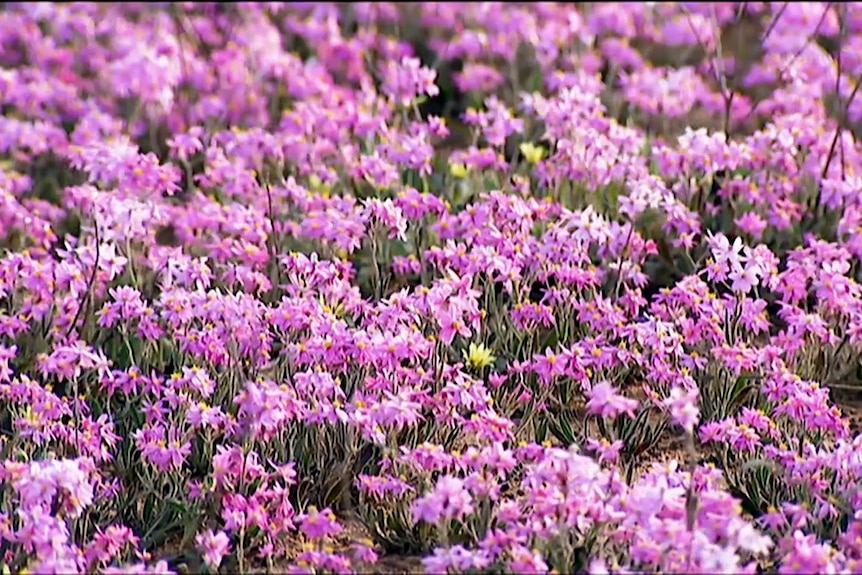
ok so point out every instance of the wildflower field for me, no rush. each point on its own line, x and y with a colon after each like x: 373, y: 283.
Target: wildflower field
x: 455, y: 288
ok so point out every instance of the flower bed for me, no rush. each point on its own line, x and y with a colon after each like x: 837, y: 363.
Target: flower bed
x: 480, y: 287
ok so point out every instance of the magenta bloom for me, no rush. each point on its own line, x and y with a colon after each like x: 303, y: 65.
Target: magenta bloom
x: 683, y: 407
x: 318, y: 524
x: 606, y: 402
x: 449, y: 499
x: 213, y: 547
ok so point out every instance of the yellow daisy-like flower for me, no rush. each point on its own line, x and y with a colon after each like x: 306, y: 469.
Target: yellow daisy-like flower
x: 532, y: 153
x: 458, y: 169
x: 478, y: 356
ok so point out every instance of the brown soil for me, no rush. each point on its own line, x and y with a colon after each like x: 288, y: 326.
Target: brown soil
x: 397, y: 564
x: 852, y: 409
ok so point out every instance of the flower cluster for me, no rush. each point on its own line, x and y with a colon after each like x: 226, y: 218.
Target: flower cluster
x: 482, y: 287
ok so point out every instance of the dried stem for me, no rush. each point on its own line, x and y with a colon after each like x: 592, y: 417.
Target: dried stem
x: 793, y: 58
x: 88, y: 295
x: 833, y: 146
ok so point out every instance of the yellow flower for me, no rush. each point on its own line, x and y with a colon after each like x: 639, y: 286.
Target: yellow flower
x: 532, y: 153
x: 458, y: 170
x: 315, y: 184
x: 478, y: 356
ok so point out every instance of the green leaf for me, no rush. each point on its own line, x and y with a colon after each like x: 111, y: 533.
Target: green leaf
x: 562, y: 429
x: 541, y: 430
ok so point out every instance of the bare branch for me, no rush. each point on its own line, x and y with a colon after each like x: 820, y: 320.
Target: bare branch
x: 793, y: 58
x: 88, y: 295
